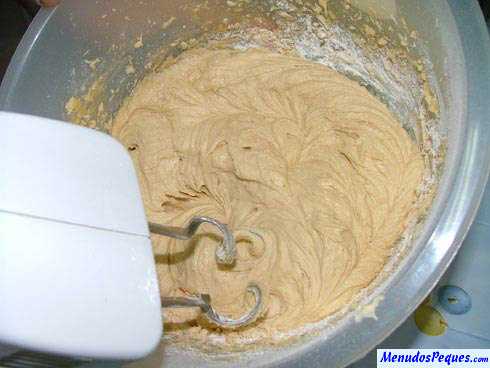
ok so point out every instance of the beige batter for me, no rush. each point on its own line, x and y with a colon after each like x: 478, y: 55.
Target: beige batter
x: 314, y: 175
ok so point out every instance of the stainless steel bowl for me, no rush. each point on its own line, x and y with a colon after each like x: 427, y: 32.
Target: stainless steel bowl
x: 46, y: 70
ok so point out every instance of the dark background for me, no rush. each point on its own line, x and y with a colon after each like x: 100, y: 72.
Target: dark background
x: 15, y: 16
x: 485, y: 7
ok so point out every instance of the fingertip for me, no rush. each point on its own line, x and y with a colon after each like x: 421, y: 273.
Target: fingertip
x: 48, y: 3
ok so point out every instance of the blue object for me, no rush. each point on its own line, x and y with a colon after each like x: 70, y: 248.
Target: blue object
x: 454, y: 300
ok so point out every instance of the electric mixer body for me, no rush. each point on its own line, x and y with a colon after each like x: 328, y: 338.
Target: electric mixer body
x: 77, y: 274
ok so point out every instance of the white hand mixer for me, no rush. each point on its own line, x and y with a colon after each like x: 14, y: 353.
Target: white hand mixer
x: 77, y: 274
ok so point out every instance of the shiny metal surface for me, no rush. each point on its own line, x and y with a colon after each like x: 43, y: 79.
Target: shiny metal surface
x: 225, y: 252
x: 203, y: 301
x: 39, y: 81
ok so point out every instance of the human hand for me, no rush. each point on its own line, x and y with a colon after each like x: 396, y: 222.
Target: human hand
x: 47, y: 3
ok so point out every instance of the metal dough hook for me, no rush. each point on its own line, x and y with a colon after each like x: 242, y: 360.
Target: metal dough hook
x: 225, y: 254
x: 203, y: 302
x: 226, y: 251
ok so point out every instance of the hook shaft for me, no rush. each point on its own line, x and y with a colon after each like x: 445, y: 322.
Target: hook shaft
x: 203, y: 301
x: 225, y: 252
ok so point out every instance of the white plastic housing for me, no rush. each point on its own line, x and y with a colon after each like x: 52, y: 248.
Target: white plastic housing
x: 77, y: 274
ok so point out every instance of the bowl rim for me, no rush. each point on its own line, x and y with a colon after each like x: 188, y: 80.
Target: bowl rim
x: 447, y: 226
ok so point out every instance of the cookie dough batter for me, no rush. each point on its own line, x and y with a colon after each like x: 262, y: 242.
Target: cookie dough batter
x: 314, y: 175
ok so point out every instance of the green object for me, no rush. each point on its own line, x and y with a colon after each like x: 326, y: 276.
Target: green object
x: 430, y: 321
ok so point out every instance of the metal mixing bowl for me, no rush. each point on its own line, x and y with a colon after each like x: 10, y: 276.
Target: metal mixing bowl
x: 47, y: 69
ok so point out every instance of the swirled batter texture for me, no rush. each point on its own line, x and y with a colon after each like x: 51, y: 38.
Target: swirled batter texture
x: 314, y: 175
